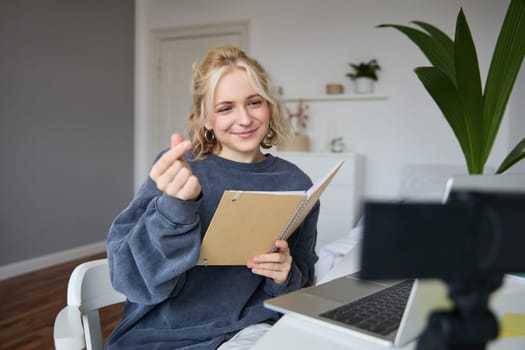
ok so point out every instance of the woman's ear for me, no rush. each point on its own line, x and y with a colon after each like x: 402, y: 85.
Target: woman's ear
x: 207, y: 124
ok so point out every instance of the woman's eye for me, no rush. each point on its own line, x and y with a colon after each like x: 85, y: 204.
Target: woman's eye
x: 255, y: 103
x: 224, y: 109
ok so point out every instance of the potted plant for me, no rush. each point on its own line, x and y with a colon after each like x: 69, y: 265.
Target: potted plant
x: 364, y: 76
x: 454, y: 81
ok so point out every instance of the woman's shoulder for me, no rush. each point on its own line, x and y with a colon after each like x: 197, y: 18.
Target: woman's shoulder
x: 293, y: 170
x: 286, y: 164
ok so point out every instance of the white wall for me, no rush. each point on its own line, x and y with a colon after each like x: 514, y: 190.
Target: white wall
x: 305, y: 44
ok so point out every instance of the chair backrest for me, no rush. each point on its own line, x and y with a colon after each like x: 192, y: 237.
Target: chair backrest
x: 90, y: 289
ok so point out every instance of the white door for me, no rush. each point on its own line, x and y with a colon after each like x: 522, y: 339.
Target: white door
x: 176, y: 52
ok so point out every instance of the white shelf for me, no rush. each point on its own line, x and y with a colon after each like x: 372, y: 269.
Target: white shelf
x: 341, y: 97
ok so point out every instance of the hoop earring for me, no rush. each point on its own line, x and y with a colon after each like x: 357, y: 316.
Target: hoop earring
x: 270, y: 133
x: 266, y: 142
x: 209, y: 135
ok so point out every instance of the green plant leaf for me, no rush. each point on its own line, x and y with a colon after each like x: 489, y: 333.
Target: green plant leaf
x: 444, y: 41
x: 504, y: 68
x: 517, y: 154
x: 435, y: 48
x: 446, y: 97
x: 440, y: 36
x: 469, y: 87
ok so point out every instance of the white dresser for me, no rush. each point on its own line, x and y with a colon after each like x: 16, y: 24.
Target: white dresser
x: 341, y: 201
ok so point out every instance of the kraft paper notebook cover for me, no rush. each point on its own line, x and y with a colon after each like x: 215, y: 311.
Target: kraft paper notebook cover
x: 247, y: 223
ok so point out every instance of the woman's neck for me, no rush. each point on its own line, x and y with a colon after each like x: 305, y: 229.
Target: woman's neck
x: 256, y: 157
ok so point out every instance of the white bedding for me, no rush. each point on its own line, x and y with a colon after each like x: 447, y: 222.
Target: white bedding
x: 331, y: 253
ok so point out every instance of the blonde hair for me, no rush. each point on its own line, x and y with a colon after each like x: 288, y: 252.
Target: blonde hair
x: 206, y: 75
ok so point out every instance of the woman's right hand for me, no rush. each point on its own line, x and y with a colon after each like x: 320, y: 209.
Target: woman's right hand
x: 173, y: 175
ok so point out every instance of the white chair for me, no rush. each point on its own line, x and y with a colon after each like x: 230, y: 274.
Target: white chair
x: 77, y: 326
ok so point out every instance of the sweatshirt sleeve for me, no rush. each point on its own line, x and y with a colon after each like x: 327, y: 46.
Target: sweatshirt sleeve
x: 302, y: 249
x: 151, y: 245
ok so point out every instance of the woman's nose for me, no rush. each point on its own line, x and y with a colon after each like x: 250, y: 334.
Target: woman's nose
x: 244, y: 117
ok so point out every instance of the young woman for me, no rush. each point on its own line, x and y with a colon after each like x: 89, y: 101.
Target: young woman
x: 154, y: 244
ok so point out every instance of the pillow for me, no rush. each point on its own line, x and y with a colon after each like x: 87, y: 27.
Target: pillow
x: 331, y: 253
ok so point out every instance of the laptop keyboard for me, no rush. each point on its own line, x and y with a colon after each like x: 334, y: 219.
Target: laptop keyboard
x: 379, y: 313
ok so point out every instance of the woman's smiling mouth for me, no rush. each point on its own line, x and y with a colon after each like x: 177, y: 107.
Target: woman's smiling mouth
x: 245, y: 134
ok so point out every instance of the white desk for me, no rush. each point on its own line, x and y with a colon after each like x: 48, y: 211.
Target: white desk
x: 295, y: 332
x: 291, y: 332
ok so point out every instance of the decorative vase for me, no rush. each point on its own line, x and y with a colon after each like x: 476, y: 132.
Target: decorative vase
x: 337, y: 145
x: 298, y: 143
x: 363, y: 85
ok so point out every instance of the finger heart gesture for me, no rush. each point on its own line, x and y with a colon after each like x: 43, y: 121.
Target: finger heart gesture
x: 173, y: 175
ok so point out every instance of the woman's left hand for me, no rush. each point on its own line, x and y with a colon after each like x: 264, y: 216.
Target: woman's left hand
x: 273, y: 265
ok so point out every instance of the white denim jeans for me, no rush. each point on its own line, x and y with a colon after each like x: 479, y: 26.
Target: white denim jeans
x: 246, y: 337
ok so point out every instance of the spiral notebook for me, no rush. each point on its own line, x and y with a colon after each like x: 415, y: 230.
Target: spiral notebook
x: 247, y: 223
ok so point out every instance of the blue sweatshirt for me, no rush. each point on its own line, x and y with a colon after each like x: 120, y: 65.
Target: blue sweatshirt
x: 153, y: 247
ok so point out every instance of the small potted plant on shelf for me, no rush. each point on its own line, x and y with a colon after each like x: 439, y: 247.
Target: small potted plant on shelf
x: 364, y: 76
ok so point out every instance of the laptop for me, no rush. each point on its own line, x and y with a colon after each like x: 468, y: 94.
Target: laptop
x: 418, y: 298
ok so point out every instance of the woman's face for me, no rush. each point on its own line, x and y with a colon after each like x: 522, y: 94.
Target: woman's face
x: 239, y: 117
